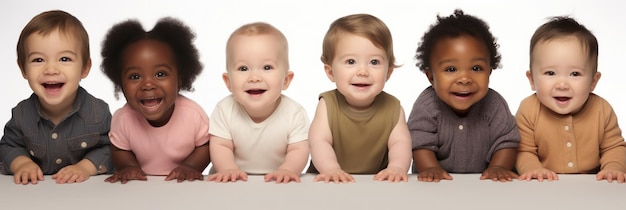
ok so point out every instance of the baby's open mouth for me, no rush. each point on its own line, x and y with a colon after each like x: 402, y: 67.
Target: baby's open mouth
x: 256, y: 91
x: 562, y: 98
x: 53, y: 86
x: 462, y: 94
x: 151, y: 102
x: 361, y: 85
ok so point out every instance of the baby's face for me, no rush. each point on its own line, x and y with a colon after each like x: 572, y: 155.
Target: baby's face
x: 150, y: 80
x: 359, y: 69
x: 562, y: 75
x: 257, y: 71
x: 54, y: 68
x: 459, y: 71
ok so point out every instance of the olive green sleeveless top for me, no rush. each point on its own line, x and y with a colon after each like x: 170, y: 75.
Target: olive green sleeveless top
x: 360, y: 137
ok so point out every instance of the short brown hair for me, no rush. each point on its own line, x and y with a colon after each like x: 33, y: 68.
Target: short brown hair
x: 364, y: 25
x: 562, y: 26
x: 258, y: 28
x: 46, y: 23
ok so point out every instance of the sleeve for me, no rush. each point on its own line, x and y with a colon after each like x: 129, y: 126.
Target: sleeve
x: 100, y: 156
x: 219, y: 126
x: 423, y: 121
x: 612, y: 146
x: 300, y: 127
x: 11, y: 145
x: 202, y: 127
x: 527, y: 156
x: 503, y: 128
x: 118, y: 134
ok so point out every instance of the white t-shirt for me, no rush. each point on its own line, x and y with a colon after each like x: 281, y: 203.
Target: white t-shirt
x: 259, y: 148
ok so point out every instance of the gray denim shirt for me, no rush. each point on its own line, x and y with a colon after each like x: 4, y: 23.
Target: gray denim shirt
x: 82, y: 134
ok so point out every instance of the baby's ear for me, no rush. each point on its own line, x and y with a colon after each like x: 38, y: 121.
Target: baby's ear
x: 287, y: 81
x: 329, y: 72
x: 594, y: 80
x: 429, y: 75
x: 22, y: 69
x: 226, y: 79
x: 86, y: 69
x: 389, y: 71
x: 529, y: 75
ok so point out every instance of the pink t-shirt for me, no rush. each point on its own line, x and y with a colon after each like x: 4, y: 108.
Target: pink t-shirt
x: 159, y: 150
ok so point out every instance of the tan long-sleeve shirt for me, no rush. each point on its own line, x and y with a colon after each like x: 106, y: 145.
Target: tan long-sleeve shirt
x: 585, y: 142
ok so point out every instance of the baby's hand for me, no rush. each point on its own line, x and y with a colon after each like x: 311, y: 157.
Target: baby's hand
x: 392, y: 174
x: 539, y: 174
x: 184, y: 172
x: 433, y: 175
x: 71, y: 174
x: 497, y: 173
x: 230, y: 175
x: 335, y: 175
x: 283, y: 176
x: 610, y: 174
x: 27, y: 171
x: 127, y: 174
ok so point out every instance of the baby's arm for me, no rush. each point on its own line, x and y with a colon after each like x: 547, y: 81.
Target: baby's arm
x: 93, y: 162
x: 126, y: 165
x: 78, y: 172
x: 612, y: 151
x: 322, y: 152
x: 24, y: 169
x: 528, y: 164
x: 399, y: 145
x: 223, y: 156
x: 428, y: 166
x: 501, y: 166
x: 191, y: 169
x: 295, y: 161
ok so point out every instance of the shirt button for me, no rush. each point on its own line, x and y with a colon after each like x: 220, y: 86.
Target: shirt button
x: 54, y: 135
x: 570, y: 164
x: 58, y: 161
x: 566, y: 127
x: 83, y: 144
x: 32, y: 153
x: 460, y: 127
x: 568, y: 144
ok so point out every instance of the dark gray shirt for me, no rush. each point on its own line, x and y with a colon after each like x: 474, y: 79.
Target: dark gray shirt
x: 82, y: 134
x: 462, y: 144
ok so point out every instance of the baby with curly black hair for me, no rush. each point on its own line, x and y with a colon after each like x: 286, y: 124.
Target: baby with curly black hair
x: 459, y: 124
x: 158, y: 131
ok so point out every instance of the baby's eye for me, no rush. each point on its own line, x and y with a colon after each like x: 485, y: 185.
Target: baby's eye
x: 350, y: 61
x: 450, y: 69
x: 37, y: 60
x: 549, y: 73
x: 374, y: 62
x: 268, y: 67
x: 575, y: 74
x: 65, y: 59
x: 160, y: 74
x: 134, y: 77
x: 477, y: 68
x: 242, y: 68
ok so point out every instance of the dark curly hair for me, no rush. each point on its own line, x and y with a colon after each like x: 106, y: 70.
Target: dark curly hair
x: 456, y: 25
x: 168, y: 30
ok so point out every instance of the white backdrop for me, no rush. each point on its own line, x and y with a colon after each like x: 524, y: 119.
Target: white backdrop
x: 304, y: 24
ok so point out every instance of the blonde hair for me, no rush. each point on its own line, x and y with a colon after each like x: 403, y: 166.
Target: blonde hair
x: 364, y: 25
x: 46, y: 23
x: 254, y: 29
